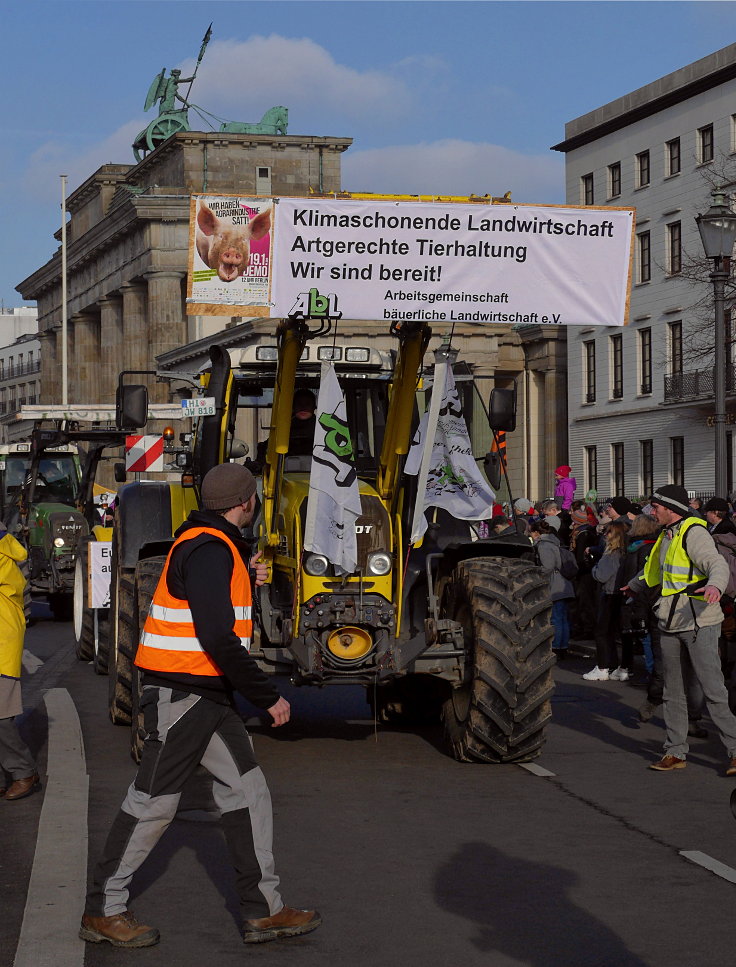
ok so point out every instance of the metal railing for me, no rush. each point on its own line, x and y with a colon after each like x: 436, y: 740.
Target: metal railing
x: 14, y: 371
x: 696, y: 384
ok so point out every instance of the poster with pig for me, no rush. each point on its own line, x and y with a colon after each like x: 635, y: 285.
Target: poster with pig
x: 229, y: 255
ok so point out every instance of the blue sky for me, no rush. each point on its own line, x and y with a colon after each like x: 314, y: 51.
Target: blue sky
x: 443, y: 97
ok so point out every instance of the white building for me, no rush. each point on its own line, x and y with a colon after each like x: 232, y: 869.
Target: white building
x: 639, y: 399
x: 20, y: 368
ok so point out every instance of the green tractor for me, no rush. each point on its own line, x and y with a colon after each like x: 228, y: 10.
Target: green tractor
x: 39, y: 491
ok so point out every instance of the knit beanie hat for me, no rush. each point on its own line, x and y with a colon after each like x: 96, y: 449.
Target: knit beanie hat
x: 554, y: 522
x: 563, y: 470
x: 622, y: 505
x: 672, y: 497
x: 523, y: 506
x: 579, y: 516
x: 226, y: 486
x: 715, y: 503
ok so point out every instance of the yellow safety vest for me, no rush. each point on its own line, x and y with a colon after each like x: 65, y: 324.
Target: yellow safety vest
x: 678, y: 572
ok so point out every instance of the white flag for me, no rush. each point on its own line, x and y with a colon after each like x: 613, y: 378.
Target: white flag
x: 454, y: 481
x: 333, y: 505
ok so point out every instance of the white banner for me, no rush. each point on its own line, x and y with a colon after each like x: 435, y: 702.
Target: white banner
x: 444, y: 458
x: 334, y: 498
x: 507, y: 263
x: 99, y: 562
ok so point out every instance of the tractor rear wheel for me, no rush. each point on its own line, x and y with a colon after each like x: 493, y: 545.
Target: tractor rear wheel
x: 147, y: 574
x: 122, y: 640
x: 84, y: 630
x: 500, y: 711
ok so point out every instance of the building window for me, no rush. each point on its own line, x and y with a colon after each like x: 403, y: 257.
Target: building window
x: 647, y: 467
x: 2, y: 369
x: 645, y: 360
x: 586, y: 189
x: 617, y: 465
x: 677, y: 446
x: 673, y: 157
x: 674, y: 248
x: 645, y: 256
x: 591, y: 468
x: 642, y: 169
x: 614, y: 180
x: 675, y: 348
x: 705, y: 144
x: 30, y: 360
x: 617, y: 367
x: 589, y: 376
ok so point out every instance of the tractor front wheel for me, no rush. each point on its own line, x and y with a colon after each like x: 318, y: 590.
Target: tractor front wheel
x: 500, y: 711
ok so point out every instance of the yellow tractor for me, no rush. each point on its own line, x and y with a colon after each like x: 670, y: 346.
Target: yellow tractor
x: 459, y: 628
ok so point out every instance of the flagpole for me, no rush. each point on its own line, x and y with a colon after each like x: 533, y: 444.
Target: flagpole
x: 205, y: 41
x: 64, y: 349
x: 441, y: 358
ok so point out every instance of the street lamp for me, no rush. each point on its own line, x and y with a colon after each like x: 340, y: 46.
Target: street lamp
x: 717, y: 229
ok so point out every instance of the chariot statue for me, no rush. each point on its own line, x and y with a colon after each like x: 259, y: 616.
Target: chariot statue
x: 172, y: 119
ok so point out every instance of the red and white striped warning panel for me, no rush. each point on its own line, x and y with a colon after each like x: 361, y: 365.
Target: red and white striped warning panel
x: 144, y: 453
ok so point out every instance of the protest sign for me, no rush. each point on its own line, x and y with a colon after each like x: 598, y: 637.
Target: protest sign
x: 525, y: 264
x: 229, y: 255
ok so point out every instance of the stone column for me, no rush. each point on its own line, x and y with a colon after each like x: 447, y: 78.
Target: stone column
x: 111, y: 346
x: 87, y: 358
x: 166, y: 320
x: 135, y: 327
x: 50, y: 376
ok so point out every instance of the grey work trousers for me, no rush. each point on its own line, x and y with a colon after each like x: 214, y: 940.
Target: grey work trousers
x: 701, y: 646
x: 15, y: 756
x: 182, y: 731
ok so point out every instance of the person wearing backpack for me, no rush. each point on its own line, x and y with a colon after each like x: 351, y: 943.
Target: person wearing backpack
x: 549, y: 556
x: 605, y: 573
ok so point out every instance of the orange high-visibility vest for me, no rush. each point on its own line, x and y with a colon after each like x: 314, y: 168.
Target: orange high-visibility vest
x: 169, y: 642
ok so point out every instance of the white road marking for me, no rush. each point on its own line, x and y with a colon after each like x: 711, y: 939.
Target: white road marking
x: 58, y: 884
x: 535, y: 769
x: 31, y: 662
x: 715, y: 866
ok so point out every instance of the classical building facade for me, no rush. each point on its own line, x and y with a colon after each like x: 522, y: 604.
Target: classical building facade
x: 640, y: 398
x: 127, y: 260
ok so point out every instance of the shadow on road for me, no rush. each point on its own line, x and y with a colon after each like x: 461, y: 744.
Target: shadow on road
x: 523, y: 910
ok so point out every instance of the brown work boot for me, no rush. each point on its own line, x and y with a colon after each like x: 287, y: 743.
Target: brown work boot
x: 121, y: 930
x: 731, y: 770
x: 288, y: 922
x: 667, y: 763
x: 23, y: 787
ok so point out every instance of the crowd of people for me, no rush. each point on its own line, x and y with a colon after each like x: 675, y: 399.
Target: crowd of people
x: 656, y: 579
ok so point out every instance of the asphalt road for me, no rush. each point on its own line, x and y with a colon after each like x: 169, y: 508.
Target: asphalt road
x: 412, y: 859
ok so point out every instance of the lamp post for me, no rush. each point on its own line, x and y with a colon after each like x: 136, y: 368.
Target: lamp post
x: 717, y: 229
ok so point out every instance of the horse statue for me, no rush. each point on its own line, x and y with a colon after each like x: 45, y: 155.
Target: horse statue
x: 274, y: 121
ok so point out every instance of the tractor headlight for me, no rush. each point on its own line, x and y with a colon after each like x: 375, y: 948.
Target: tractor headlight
x: 58, y: 542
x: 379, y: 563
x: 317, y: 565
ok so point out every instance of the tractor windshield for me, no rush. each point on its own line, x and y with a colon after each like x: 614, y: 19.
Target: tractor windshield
x: 57, y: 480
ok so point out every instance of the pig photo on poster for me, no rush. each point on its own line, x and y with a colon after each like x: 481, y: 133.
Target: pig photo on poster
x: 230, y: 251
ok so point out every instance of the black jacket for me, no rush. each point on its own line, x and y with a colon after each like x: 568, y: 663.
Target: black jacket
x: 200, y: 573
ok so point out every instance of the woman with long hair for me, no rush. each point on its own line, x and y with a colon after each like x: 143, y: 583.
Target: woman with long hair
x: 544, y: 535
x: 607, y: 625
